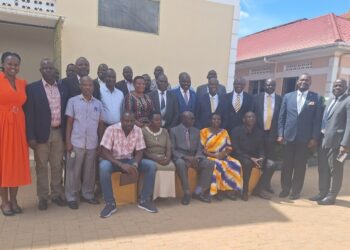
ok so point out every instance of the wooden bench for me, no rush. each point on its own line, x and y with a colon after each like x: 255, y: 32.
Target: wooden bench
x: 126, y: 194
x: 192, y: 180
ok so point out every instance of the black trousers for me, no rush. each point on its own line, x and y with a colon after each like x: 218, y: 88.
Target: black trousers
x: 294, y: 166
x: 269, y: 149
x: 247, y: 165
x: 330, y: 171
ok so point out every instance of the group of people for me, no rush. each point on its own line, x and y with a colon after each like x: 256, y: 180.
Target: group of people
x: 85, y: 129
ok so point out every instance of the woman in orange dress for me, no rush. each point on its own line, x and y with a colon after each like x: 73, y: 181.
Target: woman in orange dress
x: 14, y: 155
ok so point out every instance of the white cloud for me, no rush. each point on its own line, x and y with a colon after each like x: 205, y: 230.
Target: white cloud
x: 244, y: 14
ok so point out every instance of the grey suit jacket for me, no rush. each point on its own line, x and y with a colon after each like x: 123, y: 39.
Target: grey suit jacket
x: 179, y: 146
x: 337, y: 129
x: 304, y: 126
x: 202, y: 90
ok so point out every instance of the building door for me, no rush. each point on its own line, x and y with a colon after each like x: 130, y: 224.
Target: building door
x: 256, y: 87
x: 289, y: 84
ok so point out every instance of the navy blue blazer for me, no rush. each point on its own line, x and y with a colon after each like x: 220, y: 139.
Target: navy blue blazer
x: 305, y: 126
x: 38, y: 113
x: 235, y: 119
x: 191, y: 106
x: 258, y: 109
x: 203, y: 111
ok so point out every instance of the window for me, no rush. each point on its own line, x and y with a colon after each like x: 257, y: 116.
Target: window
x: 139, y: 15
x: 256, y: 87
x: 289, y: 84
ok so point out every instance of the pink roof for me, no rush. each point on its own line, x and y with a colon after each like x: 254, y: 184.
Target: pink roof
x: 301, y: 34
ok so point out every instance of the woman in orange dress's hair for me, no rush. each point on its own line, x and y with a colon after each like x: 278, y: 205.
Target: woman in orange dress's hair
x: 14, y: 155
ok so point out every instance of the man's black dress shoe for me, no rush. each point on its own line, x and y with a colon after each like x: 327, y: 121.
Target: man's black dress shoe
x: 73, y: 205
x: 201, y: 197
x: 294, y: 197
x: 59, y: 201
x: 283, y: 194
x: 317, y: 197
x: 231, y: 196
x: 92, y: 201
x: 186, y: 199
x: 17, y: 210
x: 7, y: 212
x: 327, y: 201
x: 270, y: 190
x: 42, y: 204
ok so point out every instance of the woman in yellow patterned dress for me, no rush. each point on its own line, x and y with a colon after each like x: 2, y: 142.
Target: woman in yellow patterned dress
x: 227, y: 175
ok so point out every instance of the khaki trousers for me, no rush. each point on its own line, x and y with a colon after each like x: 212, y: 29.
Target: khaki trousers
x: 80, y: 174
x: 45, y: 154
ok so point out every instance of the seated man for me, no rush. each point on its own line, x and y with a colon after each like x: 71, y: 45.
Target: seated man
x: 117, y: 147
x: 187, y: 152
x: 247, y: 141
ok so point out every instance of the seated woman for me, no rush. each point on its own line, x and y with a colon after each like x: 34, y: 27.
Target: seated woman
x: 227, y: 174
x: 158, y: 149
x: 139, y: 103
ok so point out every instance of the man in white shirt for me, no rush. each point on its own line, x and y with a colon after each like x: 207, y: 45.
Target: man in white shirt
x: 266, y: 107
x: 299, y: 127
x: 112, y: 99
x: 238, y: 103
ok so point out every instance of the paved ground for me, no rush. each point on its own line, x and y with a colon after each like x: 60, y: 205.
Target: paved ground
x: 256, y: 224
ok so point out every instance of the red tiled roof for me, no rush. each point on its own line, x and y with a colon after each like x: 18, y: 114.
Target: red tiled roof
x: 301, y: 34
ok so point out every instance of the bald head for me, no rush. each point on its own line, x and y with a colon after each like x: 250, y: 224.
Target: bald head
x: 239, y: 84
x: 187, y: 119
x: 339, y: 87
x: 270, y: 86
x: 47, y: 70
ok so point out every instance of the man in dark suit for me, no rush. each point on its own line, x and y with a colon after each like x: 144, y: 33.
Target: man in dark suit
x: 266, y: 107
x: 44, y: 113
x: 71, y: 84
x: 126, y: 85
x: 185, y: 96
x: 187, y: 152
x: 335, y: 131
x: 165, y: 102
x: 208, y: 104
x: 238, y: 103
x: 70, y: 70
x: 101, y: 75
x: 204, y: 88
x: 299, y: 126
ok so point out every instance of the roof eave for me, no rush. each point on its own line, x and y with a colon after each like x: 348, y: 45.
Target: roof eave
x: 340, y: 45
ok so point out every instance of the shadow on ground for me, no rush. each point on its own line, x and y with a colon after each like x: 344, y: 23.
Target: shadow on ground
x: 64, y: 226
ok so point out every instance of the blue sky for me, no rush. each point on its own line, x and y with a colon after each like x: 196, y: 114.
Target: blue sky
x: 257, y: 15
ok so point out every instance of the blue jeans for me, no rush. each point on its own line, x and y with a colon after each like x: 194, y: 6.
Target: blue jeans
x: 147, y: 167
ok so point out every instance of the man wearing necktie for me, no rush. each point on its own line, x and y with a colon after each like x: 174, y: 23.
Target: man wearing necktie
x: 267, y: 106
x: 165, y: 102
x: 208, y: 104
x: 237, y: 104
x: 187, y: 153
x: 185, y: 96
x: 299, y: 127
x: 335, y: 131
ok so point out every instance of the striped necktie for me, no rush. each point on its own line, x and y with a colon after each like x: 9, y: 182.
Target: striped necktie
x: 237, y: 105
